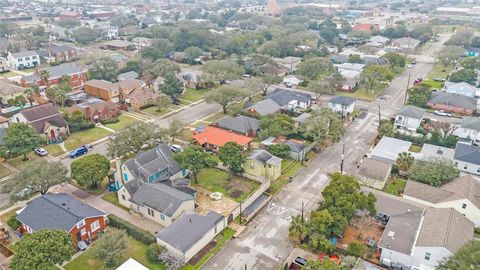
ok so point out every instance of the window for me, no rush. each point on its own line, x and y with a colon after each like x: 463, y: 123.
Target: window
x: 27, y: 58
x: 162, y: 216
x: 95, y: 226
x: 125, y: 177
x: 123, y: 197
x: 465, y: 167
x: 151, y: 212
x: 81, y: 224
x: 252, y: 165
x: 427, y: 256
x: 464, y: 206
x: 83, y: 231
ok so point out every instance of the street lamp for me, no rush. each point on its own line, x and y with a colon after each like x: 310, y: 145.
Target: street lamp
x: 342, y: 157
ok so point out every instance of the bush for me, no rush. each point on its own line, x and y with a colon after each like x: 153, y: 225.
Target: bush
x: 154, y: 251
x: 132, y: 230
x: 13, y: 223
x: 279, y: 150
x: 356, y: 248
x: 111, y: 120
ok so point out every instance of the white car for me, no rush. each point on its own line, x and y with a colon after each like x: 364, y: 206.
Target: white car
x: 442, y: 113
x: 41, y: 152
x: 176, y: 148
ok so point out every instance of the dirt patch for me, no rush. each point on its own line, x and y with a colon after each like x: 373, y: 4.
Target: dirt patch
x: 237, y: 187
x: 195, y: 259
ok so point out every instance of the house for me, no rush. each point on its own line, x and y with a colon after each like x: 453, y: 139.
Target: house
x: 241, y: 124
x: 75, y: 72
x: 117, y: 45
x: 127, y: 75
x: 366, y: 27
x: 58, y: 53
x: 191, y: 78
x: 350, y: 67
x: 189, y: 234
x: 8, y: 90
x: 462, y: 88
x: 60, y: 33
x: 467, y: 158
x: 131, y: 264
x: 461, y: 194
x: 62, y: 212
x: 72, y: 15
x: 409, y: 118
x: 379, y: 39
x: 469, y: 129
x: 388, y: 149
x: 141, y: 42
x: 417, y: 237
x: 263, y: 165
x: 369, y: 60
x: 111, y: 91
x: 297, y: 148
x: 342, y: 104
x: 301, y: 119
x: 264, y: 107
x: 212, y: 138
x: 110, y: 32
x: 290, y: 100
x: 454, y: 103
x: 350, y: 80
x: 406, y: 45
x: 374, y: 173
x: 98, y: 110
x: 430, y: 151
x: 4, y: 66
x: 138, y: 98
x: 45, y: 119
x: 290, y: 63
x: 24, y: 59
x: 293, y: 80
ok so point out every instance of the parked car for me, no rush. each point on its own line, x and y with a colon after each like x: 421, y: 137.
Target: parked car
x: 82, y: 150
x: 301, y: 261
x: 409, y: 66
x: 176, y: 148
x: 417, y: 81
x: 41, y: 152
x: 439, y: 79
x: 442, y: 113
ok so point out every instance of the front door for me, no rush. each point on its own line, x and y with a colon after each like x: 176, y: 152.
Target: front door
x: 79, y: 236
x: 52, y: 133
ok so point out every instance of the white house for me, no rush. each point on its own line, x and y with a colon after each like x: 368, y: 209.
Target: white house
x: 291, y: 80
x: 342, y: 105
x: 461, y: 194
x: 467, y: 158
x: 469, y: 129
x: 141, y: 42
x: 462, y: 88
x: 290, y: 100
x: 409, y: 118
x: 388, y: 149
x: 350, y: 66
x: 110, y: 32
x: 23, y: 60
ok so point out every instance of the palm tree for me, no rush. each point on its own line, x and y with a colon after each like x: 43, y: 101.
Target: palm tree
x: 44, y: 74
x: 404, y: 161
x: 32, y: 91
x: 298, y: 229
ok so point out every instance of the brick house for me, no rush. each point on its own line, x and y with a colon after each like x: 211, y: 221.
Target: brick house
x: 455, y: 103
x: 62, y: 212
x: 138, y: 99
x: 96, y: 110
x: 212, y: 138
x: 111, y: 91
x: 58, y: 53
x: 76, y: 73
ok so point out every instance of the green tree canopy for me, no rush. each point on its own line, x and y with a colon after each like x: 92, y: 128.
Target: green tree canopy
x: 464, y: 75
x: 85, y: 34
x: 386, y: 129
x: 315, y: 68
x: 111, y: 247
x: 275, y: 125
x: 323, y: 126
x: 374, y: 74
x: 194, y: 159
x: 448, y: 55
x: 433, y: 172
x: 356, y: 248
x: 467, y: 257
x: 171, y: 86
x: 20, y: 139
x: 395, y: 60
x: 279, y: 150
x: 471, y: 62
x: 90, y: 170
x: 225, y: 96
x: 231, y: 156
x: 104, y: 68
x: 222, y: 71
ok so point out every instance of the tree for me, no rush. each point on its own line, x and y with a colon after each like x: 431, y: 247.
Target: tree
x: 471, y: 62
x: 194, y: 159
x: 68, y: 23
x: 476, y: 42
x: 460, y: 38
x: 222, y: 71
x: 20, y: 139
x: 386, y: 129
x: 44, y: 75
x: 231, y: 156
x: 18, y: 101
x: 321, y: 87
x: 58, y: 94
x: 171, y: 86
x: 314, y: 68
x: 162, y: 101
x: 104, y: 68
x: 464, y: 75
x: 433, y: 172
x: 395, y: 60
x: 175, y: 128
x: 42, y: 250
x: 275, y: 125
x: 133, y: 138
x: 356, y: 248
x: 323, y: 126
x: 32, y: 92
x: 85, y: 35
x: 111, y: 246
x: 90, y: 170
x: 192, y: 53
x: 419, y: 95
x: 253, y: 86
x: 154, y: 251
x: 298, y: 229
x: 355, y: 58
x: 269, y: 80
x: 326, y: 264
x: 467, y: 257
x: 448, y: 55
x: 374, y: 74
x: 224, y: 95
x: 279, y: 150
x: 161, y: 67
x: 404, y: 161
x: 76, y: 121
x: 38, y: 177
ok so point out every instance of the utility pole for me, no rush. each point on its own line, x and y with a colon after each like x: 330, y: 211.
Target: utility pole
x: 379, y: 115
x: 406, y: 92
x: 302, y: 212
x: 342, y: 159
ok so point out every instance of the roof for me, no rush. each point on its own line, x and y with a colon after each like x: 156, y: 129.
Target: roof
x: 445, y: 227
x: 411, y: 111
x: 265, y: 107
x: 219, y: 137
x: 302, y: 117
x: 434, y: 151
x: 152, y: 161
x: 160, y: 197
x: 56, y: 49
x: 462, y: 87
x: 141, y: 39
x: 118, y: 43
x: 131, y: 264
x: 241, y: 124
x: 467, y: 153
x: 56, y: 211
x: 24, y: 54
x: 406, y: 42
x: 187, y: 230
x: 39, y: 117
x: 295, y: 146
x: 264, y: 157
x: 127, y: 75
x: 350, y: 66
x: 342, y: 100
x: 379, y: 39
x: 8, y: 88
x: 55, y: 72
x: 471, y: 122
x: 365, y: 27
x: 375, y: 169
x: 455, y: 100
x: 464, y: 187
x: 283, y: 96
x: 388, y: 149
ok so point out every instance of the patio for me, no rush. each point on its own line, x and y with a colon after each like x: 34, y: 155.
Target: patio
x: 224, y: 206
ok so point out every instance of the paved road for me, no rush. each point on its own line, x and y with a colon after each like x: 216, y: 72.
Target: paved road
x: 264, y: 244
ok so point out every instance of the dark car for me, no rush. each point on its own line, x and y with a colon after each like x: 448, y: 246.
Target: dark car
x: 301, y: 261
x: 82, y: 150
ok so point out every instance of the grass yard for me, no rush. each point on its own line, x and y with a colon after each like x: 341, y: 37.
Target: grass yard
x: 153, y: 111
x: 415, y: 148
x: 186, y: 135
x: 54, y: 150
x: 135, y: 249
x: 289, y: 169
x: 437, y: 71
x: 193, y: 95
x: 125, y: 121
x: 395, y: 187
x: 112, y: 198
x: 433, y: 84
x: 216, y: 180
x: 361, y: 93
x: 83, y: 137
x: 20, y: 164
x: 215, y: 117
x: 96, y: 190
x: 4, y: 171
x: 5, y: 217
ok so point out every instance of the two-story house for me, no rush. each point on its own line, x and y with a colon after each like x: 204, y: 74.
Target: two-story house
x: 467, y: 158
x: 24, y: 59
x: 342, y: 105
x: 141, y: 42
x: 263, y: 165
x: 58, y: 53
x: 469, y: 129
x: 74, y: 72
x: 290, y: 100
x: 409, y: 118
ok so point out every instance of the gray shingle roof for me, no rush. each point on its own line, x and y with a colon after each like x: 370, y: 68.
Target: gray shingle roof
x: 56, y: 211
x: 411, y: 111
x: 266, y: 107
x: 264, y: 157
x: 471, y: 123
x: 42, y: 116
x: 455, y: 100
x: 160, y: 197
x: 342, y: 100
x: 295, y: 146
x: 127, y: 75
x: 8, y: 88
x: 55, y: 72
x: 282, y: 96
x: 241, y: 124
x: 467, y: 153
x: 186, y: 231
x: 24, y: 54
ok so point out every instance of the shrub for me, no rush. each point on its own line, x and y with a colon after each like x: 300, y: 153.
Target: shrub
x: 13, y: 222
x: 132, y: 230
x: 279, y: 150
x: 356, y: 248
x: 111, y: 120
x: 154, y: 251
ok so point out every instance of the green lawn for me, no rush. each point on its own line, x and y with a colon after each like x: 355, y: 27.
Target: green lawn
x: 193, y: 95
x: 221, y: 240
x: 438, y: 72
x: 83, y: 137
x: 20, y: 164
x: 433, y: 84
x: 153, y: 111
x: 112, y: 198
x: 54, y: 150
x: 135, y: 250
x: 125, y: 121
x: 186, y: 135
x: 361, y: 93
x: 215, y: 117
x: 5, y: 217
x: 415, y: 148
x: 4, y: 171
x: 216, y: 180
x: 395, y: 187
x: 95, y: 190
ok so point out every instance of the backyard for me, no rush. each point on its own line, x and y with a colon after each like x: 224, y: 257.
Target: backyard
x: 235, y: 187
x: 361, y: 93
x: 124, y: 122
x: 135, y: 249
x: 84, y: 137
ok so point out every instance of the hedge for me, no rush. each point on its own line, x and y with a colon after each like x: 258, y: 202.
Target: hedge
x: 132, y: 230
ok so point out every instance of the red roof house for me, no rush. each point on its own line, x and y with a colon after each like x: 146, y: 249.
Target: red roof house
x: 212, y: 138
